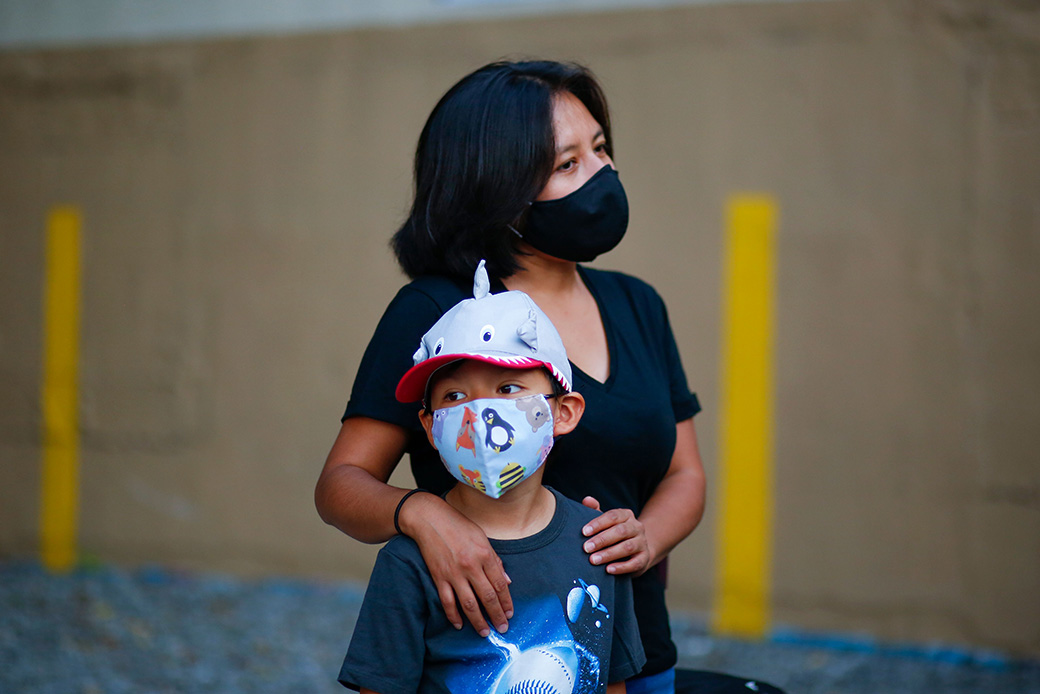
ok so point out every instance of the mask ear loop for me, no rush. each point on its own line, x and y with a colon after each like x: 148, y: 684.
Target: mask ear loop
x: 517, y: 221
x: 426, y: 399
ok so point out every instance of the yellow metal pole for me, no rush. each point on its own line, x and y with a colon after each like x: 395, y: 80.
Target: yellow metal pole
x: 59, y: 396
x: 742, y: 600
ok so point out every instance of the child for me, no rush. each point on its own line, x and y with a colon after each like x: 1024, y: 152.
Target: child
x: 495, y: 383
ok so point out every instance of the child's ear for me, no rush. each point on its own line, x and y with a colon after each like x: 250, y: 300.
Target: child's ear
x: 426, y: 419
x: 569, y: 408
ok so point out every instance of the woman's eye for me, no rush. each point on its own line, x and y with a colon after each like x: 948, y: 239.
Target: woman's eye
x: 566, y: 166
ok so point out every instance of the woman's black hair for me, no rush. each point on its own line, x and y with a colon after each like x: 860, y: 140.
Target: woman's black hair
x: 486, y: 152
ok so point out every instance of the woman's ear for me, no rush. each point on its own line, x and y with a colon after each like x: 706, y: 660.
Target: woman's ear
x: 569, y: 408
x: 426, y: 419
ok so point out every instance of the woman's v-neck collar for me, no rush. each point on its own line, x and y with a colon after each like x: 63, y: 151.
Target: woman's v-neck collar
x: 498, y: 285
x: 608, y: 333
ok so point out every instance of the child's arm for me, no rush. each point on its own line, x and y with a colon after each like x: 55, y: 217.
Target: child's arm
x: 387, y: 647
x: 616, y: 688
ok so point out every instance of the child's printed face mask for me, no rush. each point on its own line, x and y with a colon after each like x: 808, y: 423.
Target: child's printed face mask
x: 493, y: 444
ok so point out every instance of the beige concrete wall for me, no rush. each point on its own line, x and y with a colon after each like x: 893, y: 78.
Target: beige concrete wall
x: 238, y: 196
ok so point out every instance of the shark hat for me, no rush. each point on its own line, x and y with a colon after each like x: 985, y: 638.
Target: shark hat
x: 507, y: 329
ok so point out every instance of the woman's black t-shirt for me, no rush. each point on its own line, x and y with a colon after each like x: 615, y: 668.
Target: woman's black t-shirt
x: 624, y: 442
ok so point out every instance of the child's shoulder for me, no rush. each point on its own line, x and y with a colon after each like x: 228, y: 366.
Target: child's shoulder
x: 575, y: 511
x: 401, y: 551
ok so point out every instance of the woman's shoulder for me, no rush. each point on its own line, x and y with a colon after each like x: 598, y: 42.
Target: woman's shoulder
x: 612, y: 287
x: 442, y: 292
x: 422, y: 301
x: 617, y: 280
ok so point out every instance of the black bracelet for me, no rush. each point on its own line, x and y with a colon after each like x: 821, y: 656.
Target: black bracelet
x: 397, y: 512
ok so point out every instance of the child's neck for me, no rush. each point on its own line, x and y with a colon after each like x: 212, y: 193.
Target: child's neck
x: 521, y: 512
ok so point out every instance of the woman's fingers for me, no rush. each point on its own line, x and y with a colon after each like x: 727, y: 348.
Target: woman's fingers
x: 470, y: 591
x: 491, y: 595
x: 610, y: 528
x: 630, y: 548
x: 471, y: 609
x: 499, y: 579
x: 617, y: 539
x: 605, y: 520
x: 447, y: 596
x: 490, y: 586
x: 637, y: 564
x: 468, y: 574
x: 591, y: 502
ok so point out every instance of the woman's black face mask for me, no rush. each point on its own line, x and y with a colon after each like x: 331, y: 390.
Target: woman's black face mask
x: 581, y: 225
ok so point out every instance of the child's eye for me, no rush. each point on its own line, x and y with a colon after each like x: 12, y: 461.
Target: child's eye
x: 453, y: 396
x: 509, y: 389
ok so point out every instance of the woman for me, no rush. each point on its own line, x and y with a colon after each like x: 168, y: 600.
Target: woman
x: 515, y: 165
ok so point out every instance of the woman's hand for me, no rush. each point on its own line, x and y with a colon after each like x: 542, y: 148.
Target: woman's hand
x: 672, y: 512
x: 617, y: 536
x: 466, y: 571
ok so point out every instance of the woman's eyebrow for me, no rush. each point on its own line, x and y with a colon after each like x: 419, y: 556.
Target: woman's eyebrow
x: 574, y: 145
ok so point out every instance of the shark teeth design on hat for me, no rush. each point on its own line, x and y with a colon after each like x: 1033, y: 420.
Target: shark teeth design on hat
x: 559, y: 376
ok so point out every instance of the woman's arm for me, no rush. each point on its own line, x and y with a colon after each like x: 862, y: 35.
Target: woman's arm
x: 352, y: 495
x: 674, y: 509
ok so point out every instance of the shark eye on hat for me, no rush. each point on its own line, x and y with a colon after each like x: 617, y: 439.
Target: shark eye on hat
x: 487, y: 333
x: 438, y: 347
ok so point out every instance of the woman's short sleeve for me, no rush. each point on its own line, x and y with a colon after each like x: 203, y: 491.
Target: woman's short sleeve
x: 389, y: 355
x: 684, y: 403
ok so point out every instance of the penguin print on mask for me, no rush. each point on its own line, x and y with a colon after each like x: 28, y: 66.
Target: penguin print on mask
x: 499, y: 432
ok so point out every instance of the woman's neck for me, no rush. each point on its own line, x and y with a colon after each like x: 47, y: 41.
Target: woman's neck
x: 521, y: 512
x: 543, y: 276
x: 560, y: 292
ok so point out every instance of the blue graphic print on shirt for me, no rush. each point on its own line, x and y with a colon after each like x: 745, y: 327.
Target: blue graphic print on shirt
x: 554, y: 650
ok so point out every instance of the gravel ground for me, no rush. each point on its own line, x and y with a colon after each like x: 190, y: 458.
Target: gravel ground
x: 109, y: 631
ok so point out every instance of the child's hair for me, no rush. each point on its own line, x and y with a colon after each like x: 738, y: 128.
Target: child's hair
x: 448, y: 369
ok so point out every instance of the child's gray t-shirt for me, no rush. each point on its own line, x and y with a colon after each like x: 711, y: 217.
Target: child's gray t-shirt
x: 573, y: 628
